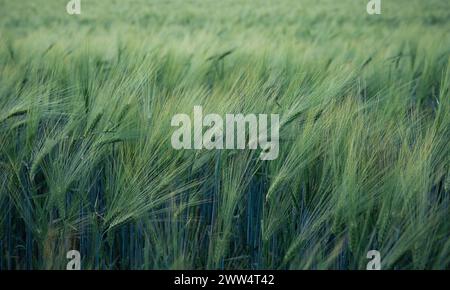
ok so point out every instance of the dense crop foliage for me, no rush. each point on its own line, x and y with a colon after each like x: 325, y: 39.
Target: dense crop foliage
x: 86, y: 161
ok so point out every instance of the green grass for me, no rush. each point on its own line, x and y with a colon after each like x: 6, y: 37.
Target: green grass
x: 86, y: 161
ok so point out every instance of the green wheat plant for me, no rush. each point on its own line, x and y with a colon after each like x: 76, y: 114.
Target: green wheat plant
x: 86, y: 162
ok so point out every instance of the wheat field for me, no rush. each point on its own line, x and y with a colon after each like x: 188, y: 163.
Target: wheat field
x: 86, y: 163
